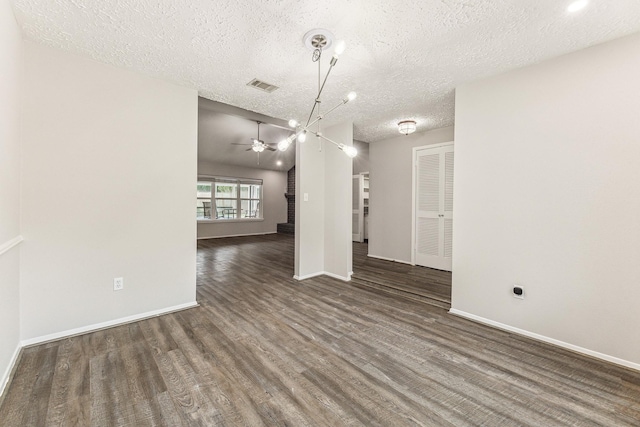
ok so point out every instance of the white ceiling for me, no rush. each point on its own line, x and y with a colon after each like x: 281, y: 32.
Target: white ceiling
x: 404, y: 58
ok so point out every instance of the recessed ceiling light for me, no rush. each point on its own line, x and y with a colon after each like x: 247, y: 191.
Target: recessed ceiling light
x: 279, y: 163
x: 577, y: 5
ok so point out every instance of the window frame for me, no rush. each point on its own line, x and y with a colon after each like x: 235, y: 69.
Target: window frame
x: 238, y: 199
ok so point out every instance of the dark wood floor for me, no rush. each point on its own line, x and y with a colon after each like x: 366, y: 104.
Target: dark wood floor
x: 418, y: 283
x: 264, y: 349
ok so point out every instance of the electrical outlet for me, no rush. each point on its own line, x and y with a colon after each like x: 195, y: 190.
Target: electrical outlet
x: 518, y: 292
x: 118, y: 283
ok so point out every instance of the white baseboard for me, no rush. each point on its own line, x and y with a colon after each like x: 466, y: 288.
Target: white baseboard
x: 335, y: 276
x: 237, y: 235
x: 389, y: 259
x: 104, y: 325
x: 546, y: 339
x: 6, y: 246
x: 322, y: 273
x: 308, y: 276
x: 6, y: 376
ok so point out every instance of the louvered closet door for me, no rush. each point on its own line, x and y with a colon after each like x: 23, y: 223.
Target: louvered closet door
x: 434, y: 207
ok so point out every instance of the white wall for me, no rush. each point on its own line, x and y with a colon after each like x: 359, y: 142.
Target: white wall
x: 390, y: 192
x: 309, y: 237
x: 323, y: 223
x: 11, y: 70
x: 547, y: 195
x: 361, y: 162
x: 338, y: 203
x: 109, y: 165
x: 274, y: 204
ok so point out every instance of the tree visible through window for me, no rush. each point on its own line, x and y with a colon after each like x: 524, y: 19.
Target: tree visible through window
x: 228, y: 198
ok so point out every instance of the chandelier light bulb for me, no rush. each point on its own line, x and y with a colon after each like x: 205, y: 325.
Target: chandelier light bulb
x: 293, y: 123
x: 340, y: 47
x: 351, y: 96
x: 303, y: 136
x: 283, y: 145
x: 349, y: 150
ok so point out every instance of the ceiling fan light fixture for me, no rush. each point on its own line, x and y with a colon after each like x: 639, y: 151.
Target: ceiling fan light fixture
x: 406, y: 127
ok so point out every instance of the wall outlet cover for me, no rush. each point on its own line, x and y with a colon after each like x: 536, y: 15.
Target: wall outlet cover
x: 518, y: 292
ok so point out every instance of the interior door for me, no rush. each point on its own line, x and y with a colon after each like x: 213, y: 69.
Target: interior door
x: 433, y: 200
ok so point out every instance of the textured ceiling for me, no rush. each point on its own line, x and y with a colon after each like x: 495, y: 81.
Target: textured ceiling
x: 404, y: 58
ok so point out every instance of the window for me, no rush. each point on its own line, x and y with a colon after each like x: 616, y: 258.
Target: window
x: 228, y: 198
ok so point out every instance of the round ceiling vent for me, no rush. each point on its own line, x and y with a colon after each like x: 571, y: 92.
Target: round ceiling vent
x: 318, y: 38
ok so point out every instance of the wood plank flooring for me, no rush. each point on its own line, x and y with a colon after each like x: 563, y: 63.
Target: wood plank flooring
x: 418, y: 283
x: 264, y: 349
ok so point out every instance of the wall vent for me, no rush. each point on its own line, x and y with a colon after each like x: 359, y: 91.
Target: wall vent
x: 264, y: 86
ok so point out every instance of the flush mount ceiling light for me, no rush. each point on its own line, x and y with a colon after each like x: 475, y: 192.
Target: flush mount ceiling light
x: 406, y: 127
x: 318, y: 40
x: 577, y: 5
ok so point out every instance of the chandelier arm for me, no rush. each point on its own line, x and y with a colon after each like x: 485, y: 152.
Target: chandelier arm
x: 332, y: 141
x: 326, y: 139
x: 315, y: 104
x: 333, y: 109
x: 320, y: 117
x: 333, y: 62
x: 320, y: 90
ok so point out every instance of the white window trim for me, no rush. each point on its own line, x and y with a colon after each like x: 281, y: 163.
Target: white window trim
x: 226, y: 221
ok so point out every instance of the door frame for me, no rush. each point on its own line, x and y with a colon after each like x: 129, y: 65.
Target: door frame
x: 414, y: 166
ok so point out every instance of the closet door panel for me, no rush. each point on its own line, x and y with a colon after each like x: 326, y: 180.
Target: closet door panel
x: 434, y: 207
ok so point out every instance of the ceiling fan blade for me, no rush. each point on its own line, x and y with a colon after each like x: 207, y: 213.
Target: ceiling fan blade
x: 249, y: 149
x: 270, y: 148
x: 239, y: 143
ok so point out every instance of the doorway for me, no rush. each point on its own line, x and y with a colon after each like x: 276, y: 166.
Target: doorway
x: 360, y: 208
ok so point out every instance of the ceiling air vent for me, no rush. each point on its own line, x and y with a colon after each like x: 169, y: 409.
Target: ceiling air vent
x: 264, y: 86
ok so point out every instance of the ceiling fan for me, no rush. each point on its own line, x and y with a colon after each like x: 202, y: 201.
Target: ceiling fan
x: 257, y: 144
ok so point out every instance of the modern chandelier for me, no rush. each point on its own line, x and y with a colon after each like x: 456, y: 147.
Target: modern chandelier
x: 318, y: 40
